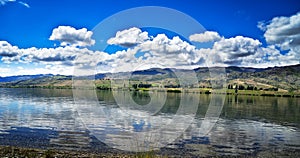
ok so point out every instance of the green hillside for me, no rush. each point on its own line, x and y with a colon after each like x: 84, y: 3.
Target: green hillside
x: 282, y: 79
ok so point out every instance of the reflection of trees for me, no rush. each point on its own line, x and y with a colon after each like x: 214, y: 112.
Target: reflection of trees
x: 147, y: 101
x: 274, y: 109
x: 172, y: 103
x: 106, y: 96
x: 141, y: 98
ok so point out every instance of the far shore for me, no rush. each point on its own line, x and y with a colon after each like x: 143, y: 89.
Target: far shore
x: 181, y: 90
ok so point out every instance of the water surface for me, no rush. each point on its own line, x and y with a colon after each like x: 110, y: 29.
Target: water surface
x: 248, y: 125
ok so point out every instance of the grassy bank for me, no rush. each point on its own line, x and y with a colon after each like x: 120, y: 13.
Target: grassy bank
x: 227, y: 92
x: 10, y: 151
x: 180, y: 90
x: 19, y: 152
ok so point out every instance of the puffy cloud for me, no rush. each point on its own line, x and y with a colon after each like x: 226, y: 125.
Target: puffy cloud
x: 283, y: 32
x: 7, y: 50
x: 61, y: 55
x: 90, y: 59
x: 161, y: 44
x: 58, y: 60
x: 248, y: 52
x: 159, y: 51
x: 243, y: 51
x: 269, y: 57
x: 68, y: 35
x: 171, y: 52
x: 145, y: 52
x: 129, y: 37
x: 207, y: 36
x: 232, y: 50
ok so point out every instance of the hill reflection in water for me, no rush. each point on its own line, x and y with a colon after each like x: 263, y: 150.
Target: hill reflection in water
x: 42, y: 118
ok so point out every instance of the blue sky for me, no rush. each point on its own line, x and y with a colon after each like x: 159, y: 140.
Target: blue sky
x: 30, y: 23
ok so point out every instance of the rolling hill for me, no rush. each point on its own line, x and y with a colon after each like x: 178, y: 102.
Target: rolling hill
x: 284, y: 78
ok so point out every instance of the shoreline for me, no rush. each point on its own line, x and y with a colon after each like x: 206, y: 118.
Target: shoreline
x: 207, y: 91
x: 14, y: 151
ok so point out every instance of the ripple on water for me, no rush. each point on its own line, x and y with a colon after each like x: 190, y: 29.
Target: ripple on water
x: 48, y: 119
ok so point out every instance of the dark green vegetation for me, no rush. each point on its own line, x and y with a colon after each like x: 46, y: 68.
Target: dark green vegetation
x: 285, y: 78
x: 276, y: 81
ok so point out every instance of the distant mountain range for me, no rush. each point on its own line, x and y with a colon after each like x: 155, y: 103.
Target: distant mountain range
x: 23, y: 77
x: 286, y: 78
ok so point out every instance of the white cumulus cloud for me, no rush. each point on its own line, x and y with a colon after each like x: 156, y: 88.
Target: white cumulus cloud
x: 148, y: 52
x: 283, y: 32
x: 68, y: 35
x: 207, y: 36
x: 159, y: 51
x: 129, y: 37
x: 161, y: 44
x: 7, y: 50
x: 232, y: 50
x: 60, y: 55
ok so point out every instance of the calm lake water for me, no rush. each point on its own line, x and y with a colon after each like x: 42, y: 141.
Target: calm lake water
x: 248, y: 125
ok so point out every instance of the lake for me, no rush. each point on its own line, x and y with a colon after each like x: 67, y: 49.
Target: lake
x: 248, y: 125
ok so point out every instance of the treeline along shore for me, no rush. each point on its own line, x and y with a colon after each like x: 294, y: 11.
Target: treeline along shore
x: 275, y: 81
